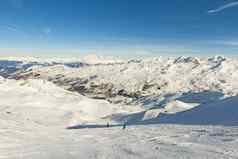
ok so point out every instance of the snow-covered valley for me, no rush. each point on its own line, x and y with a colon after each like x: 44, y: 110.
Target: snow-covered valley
x: 182, y: 107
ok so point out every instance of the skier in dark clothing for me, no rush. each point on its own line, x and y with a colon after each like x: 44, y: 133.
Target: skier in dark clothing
x: 124, y: 126
x: 107, y: 124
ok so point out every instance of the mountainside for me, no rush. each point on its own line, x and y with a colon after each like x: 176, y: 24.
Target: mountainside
x: 171, y: 108
x: 170, y: 84
x: 43, y: 99
x: 223, y: 112
x: 150, y: 82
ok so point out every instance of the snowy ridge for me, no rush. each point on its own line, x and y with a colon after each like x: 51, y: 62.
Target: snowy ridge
x: 147, y: 82
x: 159, y: 85
x: 69, y: 107
x: 224, y: 112
x: 46, y: 112
x: 170, y: 84
x: 151, y: 82
x: 90, y: 59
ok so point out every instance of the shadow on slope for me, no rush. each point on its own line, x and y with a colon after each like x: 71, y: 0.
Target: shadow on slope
x: 131, y: 119
x: 92, y: 126
x: 201, y: 97
x: 187, y: 97
x: 224, y: 112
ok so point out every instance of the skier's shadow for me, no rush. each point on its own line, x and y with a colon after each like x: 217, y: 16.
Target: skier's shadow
x: 90, y: 126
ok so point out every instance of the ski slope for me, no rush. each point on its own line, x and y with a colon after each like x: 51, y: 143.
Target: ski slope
x: 35, y: 114
x: 224, y: 112
x: 182, y: 107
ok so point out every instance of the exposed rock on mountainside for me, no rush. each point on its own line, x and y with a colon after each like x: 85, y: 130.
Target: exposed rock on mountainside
x: 148, y: 82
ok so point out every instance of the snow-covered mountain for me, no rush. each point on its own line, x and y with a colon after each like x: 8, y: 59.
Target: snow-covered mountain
x: 169, y: 84
x: 72, y: 108
x: 149, y: 82
x: 45, y: 107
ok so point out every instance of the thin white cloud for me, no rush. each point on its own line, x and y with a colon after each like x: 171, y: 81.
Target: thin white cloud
x: 47, y: 30
x: 227, y: 43
x: 17, y: 29
x: 226, y: 6
x: 12, y: 28
x: 40, y: 32
x: 232, y: 43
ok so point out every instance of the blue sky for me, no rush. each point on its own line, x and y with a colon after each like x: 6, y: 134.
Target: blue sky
x: 119, y: 27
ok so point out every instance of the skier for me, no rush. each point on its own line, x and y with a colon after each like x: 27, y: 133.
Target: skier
x: 107, y: 124
x: 124, y: 126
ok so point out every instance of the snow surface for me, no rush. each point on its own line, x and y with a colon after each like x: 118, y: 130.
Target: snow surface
x: 174, y: 108
x: 223, y: 112
x: 44, y: 96
x: 35, y: 114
